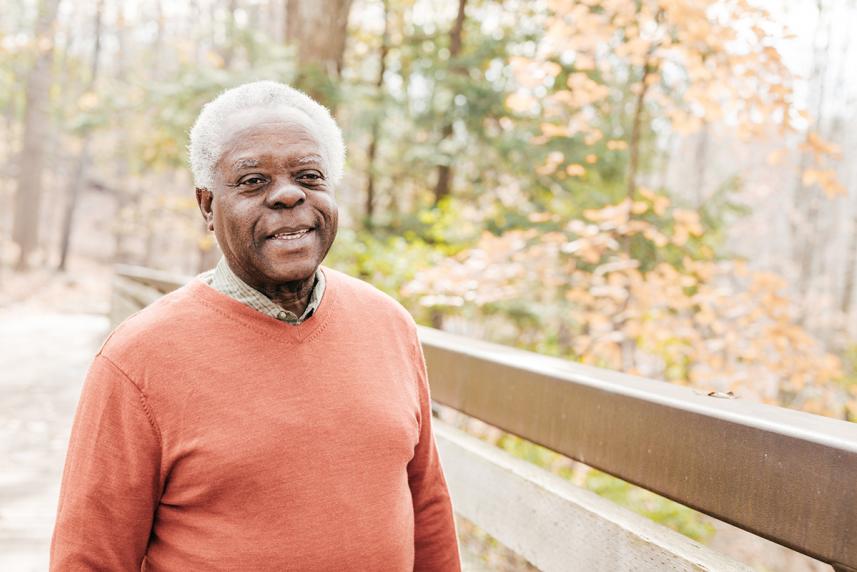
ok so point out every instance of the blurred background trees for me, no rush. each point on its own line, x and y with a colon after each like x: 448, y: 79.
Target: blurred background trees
x: 666, y: 187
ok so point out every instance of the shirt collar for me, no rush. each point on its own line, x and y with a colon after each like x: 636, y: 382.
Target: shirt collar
x: 225, y: 281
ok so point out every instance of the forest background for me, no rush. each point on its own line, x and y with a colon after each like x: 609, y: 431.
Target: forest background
x: 663, y: 187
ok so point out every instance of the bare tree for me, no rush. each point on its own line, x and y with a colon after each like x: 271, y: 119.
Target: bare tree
x: 650, y: 68
x: 231, y: 34
x: 78, y: 174
x: 842, y: 134
x: 847, y: 296
x: 31, y: 166
x: 376, y: 121
x: 700, y: 163
x: 317, y: 28
x: 121, y: 163
x: 807, y: 199
x: 443, y: 185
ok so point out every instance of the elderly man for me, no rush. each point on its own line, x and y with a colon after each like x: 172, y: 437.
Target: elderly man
x: 272, y: 414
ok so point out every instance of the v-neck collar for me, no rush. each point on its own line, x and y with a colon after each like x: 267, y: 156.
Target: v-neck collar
x: 264, y: 324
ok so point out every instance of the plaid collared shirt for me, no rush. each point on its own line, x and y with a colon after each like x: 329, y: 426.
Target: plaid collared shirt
x: 222, y: 279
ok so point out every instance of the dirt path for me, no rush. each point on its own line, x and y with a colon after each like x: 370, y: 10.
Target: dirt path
x: 43, y: 359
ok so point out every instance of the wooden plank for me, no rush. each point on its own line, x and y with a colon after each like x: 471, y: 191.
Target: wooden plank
x: 121, y: 307
x: 164, y: 282
x: 555, y: 525
x: 143, y: 294
x: 129, y: 296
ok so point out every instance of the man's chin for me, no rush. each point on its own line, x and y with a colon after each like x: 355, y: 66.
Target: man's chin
x: 294, y: 271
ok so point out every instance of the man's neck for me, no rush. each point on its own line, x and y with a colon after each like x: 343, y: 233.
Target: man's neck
x: 291, y: 296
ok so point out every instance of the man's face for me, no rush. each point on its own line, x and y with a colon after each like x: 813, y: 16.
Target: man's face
x: 272, y: 209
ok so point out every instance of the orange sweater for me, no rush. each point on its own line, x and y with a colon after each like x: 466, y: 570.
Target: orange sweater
x: 212, y: 437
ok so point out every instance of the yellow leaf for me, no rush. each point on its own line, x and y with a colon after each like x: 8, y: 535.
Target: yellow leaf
x: 776, y: 157
x: 521, y: 102
x: 541, y: 217
x: 809, y: 177
x: 639, y: 207
x: 552, y: 130
x: 575, y: 170
x: 655, y: 236
x: 819, y: 146
x: 826, y: 179
x: 584, y: 62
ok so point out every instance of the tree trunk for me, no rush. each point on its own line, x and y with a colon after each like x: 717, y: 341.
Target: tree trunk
x: 637, y: 132
x: 122, y: 191
x: 443, y: 185
x: 157, y: 48
x: 847, y: 297
x: 835, y: 334
x: 318, y: 29
x: 376, y: 122
x: 78, y: 174
x: 31, y: 166
x: 634, y: 142
x: 628, y: 345
x: 807, y: 199
x: 231, y: 35
x: 700, y: 161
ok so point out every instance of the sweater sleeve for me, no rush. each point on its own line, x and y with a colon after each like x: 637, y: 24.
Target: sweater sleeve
x: 435, y: 538
x: 111, y: 482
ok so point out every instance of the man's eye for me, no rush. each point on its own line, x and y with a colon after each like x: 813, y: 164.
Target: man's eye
x: 310, y: 177
x: 252, y: 181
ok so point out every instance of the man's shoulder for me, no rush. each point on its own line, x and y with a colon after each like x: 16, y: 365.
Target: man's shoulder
x: 157, y: 326
x: 360, y: 296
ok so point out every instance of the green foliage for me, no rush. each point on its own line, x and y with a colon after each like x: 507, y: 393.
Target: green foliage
x: 671, y: 514
x: 664, y: 511
x: 386, y: 262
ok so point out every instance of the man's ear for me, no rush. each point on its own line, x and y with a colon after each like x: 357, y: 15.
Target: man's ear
x: 204, y: 199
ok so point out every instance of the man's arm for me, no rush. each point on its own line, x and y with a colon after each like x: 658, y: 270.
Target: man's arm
x: 111, y: 483
x: 435, y: 539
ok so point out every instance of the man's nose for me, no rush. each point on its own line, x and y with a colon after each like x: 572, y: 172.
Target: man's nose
x: 285, y: 194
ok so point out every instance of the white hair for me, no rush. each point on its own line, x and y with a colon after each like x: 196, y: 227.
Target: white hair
x: 206, y: 137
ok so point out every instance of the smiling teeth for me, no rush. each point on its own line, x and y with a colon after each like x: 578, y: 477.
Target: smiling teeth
x: 291, y: 235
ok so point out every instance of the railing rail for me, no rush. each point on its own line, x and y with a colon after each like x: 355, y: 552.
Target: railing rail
x: 785, y: 475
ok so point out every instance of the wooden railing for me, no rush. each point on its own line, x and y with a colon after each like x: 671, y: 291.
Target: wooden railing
x: 788, y: 476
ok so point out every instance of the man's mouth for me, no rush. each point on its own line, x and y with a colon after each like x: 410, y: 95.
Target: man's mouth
x: 290, y: 234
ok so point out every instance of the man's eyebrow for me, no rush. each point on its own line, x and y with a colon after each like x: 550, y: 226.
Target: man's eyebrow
x: 309, y: 159
x: 251, y: 163
x: 245, y: 164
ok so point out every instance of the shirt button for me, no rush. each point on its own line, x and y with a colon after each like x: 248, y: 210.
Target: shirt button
x: 281, y: 315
